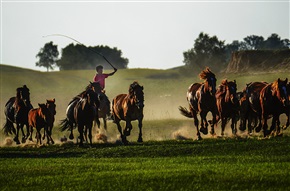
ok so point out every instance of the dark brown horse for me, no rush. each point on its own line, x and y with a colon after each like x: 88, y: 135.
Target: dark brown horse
x: 227, y: 104
x: 40, y: 118
x: 286, y: 109
x: 85, y: 112
x: 201, y: 99
x: 250, y: 108
x: 273, y: 99
x: 129, y: 107
x: 16, y: 111
x: 69, y: 122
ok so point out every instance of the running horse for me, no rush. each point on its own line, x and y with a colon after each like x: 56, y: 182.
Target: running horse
x: 16, y: 111
x: 103, y: 110
x: 85, y: 112
x: 273, y: 99
x: 129, y: 107
x: 50, y: 104
x: 227, y: 104
x: 201, y: 99
x: 39, y: 118
x: 250, y: 108
x: 69, y: 122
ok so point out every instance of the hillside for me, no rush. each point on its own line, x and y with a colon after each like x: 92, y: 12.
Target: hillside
x: 164, y: 90
x: 259, y: 61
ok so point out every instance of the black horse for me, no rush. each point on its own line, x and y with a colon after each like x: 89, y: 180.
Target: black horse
x: 16, y: 111
x: 69, y: 123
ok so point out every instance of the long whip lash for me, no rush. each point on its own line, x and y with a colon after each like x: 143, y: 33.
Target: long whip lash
x: 81, y: 44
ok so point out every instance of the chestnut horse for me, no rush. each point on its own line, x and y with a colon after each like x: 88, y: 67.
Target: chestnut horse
x: 250, y: 112
x: 16, y: 111
x: 69, y: 122
x: 85, y: 112
x: 201, y: 99
x: 129, y: 107
x: 50, y: 104
x: 227, y: 104
x: 40, y: 118
x: 273, y: 99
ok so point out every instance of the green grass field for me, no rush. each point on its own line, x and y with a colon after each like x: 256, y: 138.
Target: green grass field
x: 162, y: 162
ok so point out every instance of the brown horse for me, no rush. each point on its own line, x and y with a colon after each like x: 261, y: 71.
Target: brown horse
x: 85, y: 112
x: 50, y: 104
x: 273, y: 99
x: 227, y: 104
x: 286, y: 110
x: 129, y: 107
x: 40, y: 118
x: 201, y: 99
x: 69, y: 122
x: 16, y: 111
x: 250, y: 108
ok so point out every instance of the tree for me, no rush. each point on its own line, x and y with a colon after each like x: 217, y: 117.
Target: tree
x: 48, y: 56
x: 207, y: 51
x: 253, y: 42
x: 77, y: 57
x: 274, y: 42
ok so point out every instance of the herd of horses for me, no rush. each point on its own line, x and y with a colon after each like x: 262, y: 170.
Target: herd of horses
x: 258, y: 102
x: 82, y: 111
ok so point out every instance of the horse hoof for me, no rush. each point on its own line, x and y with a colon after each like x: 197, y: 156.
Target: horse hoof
x: 204, y: 130
x: 198, y: 138
x: 140, y: 140
x: 23, y: 140
x: 71, y: 137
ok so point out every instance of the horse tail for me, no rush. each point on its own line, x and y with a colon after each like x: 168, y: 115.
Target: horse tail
x: 9, y: 128
x: 185, y: 112
x: 64, y: 125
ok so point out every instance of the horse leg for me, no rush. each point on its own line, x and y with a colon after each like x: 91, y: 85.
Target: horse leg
x: 16, y: 135
x: 71, y: 136
x: 123, y: 137
x: 140, y: 139
x: 81, y: 132
x: 105, y: 123
x: 23, y: 140
x: 215, y: 118
x: 203, y: 129
x: 196, y: 122
x: 265, y: 125
x: 127, y: 130
x: 233, y: 125
x: 30, y: 133
x: 89, y: 127
x: 223, y: 125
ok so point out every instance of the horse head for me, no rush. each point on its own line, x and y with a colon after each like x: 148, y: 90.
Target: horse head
x: 91, y: 97
x: 44, y: 112
x: 50, y: 104
x: 136, y: 93
x: 95, y: 86
x: 280, y: 90
x: 210, y: 80
x: 23, y: 94
x: 231, y: 91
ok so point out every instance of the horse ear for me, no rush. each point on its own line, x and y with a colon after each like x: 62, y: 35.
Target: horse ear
x: 142, y: 87
x: 235, y: 81
x: 279, y: 80
x: 286, y: 80
x: 53, y: 100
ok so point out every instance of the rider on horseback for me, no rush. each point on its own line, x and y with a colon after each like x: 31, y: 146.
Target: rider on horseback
x: 100, y: 77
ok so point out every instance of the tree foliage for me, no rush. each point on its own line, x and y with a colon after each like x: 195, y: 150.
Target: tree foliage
x: 207, y: 51
x: 78, y: 56
x: 210, y: 51
x: 48, y: 56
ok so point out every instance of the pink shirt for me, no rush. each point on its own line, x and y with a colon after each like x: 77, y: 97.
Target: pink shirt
x: 101, y: 79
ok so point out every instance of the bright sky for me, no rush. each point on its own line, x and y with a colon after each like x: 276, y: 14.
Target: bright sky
x: 151, y: 34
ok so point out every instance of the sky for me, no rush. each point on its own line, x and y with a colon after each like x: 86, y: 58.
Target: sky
x: 151, y: 34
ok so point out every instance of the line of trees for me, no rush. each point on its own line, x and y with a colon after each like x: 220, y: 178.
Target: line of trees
x: 210, y: 51
x: 80, y: 57
x: 206, y: 51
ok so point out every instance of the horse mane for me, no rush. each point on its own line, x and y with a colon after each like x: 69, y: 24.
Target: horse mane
x: 206, y: 73
x: 132, y: 87
x: 275, y: 87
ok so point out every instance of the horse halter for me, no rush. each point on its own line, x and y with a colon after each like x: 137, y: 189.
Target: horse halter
x: 138, y: 97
